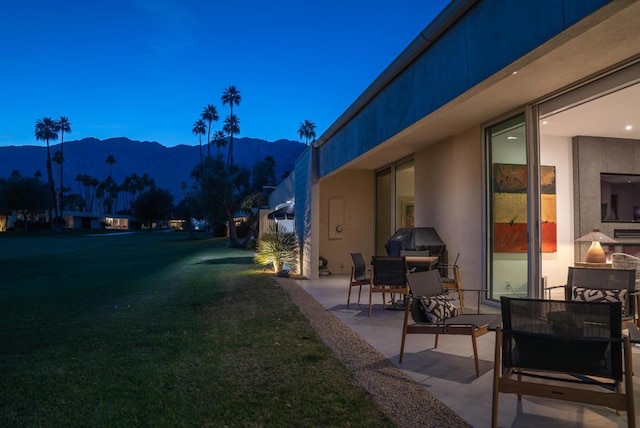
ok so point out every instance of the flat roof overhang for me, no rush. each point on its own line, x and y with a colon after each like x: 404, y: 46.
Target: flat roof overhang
x: 602, y: 41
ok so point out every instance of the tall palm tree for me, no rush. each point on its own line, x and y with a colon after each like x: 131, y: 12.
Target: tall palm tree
x: 58, y: 159
x: 231, y: 127
x: 200, y: 128
x: 110, y: 161
x: 219, y: 139
x: 307, y: 130
x: 210, y: 113
x: 62, y: 125
x: 231, y: 96
x: 45, y: 130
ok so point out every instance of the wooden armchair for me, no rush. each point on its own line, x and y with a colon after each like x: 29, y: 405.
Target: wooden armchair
x: 565, y: 350
x: 433, y: 313
x: 603, y: 285
x: 451, y: 280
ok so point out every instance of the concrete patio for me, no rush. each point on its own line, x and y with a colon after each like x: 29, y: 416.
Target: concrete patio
x: 448, y: 371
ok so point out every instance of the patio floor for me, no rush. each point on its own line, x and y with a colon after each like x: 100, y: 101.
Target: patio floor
x: 448, y: 371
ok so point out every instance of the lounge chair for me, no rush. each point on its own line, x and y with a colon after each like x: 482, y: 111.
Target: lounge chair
x: 565, y: 350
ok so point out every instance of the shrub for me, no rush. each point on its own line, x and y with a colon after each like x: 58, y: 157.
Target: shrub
x: 279, y: 248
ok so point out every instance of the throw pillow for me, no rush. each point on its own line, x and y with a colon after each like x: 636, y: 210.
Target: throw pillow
x: 582, y: 294
x: 438, y: 308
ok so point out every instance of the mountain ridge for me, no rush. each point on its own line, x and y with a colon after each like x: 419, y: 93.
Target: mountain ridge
x: 168, y: 166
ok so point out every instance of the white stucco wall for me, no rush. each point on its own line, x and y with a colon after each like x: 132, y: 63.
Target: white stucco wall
x: 557, y: 151
x: 351, y: 191
x: 448, y: 197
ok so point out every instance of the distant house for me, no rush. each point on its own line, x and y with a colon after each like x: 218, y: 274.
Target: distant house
x: 83, y: 220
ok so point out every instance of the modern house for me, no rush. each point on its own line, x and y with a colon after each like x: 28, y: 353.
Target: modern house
x: 500, y: 126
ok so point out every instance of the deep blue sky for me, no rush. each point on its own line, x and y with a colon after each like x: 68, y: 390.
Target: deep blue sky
x: 145, y: 69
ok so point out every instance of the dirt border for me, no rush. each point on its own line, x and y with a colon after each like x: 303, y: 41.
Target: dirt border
x: 406, y: 402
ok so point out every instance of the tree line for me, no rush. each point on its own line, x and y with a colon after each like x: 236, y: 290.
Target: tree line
x: 220, y: 190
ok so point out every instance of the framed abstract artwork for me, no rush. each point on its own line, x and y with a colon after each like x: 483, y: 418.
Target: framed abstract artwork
x: 510, y: 208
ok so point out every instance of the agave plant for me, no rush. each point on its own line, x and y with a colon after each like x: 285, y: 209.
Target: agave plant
x: 278, y: 247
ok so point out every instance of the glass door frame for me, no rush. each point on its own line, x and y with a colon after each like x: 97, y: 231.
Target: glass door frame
x: 533, y: 195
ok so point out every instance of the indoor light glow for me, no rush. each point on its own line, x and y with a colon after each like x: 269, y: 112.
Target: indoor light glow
x: 628, y: 127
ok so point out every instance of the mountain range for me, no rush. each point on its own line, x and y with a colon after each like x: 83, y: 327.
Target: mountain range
x: 168, y: 166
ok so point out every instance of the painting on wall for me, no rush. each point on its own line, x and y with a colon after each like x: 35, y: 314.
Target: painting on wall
x: 407, y: 213
x: 510, y: 208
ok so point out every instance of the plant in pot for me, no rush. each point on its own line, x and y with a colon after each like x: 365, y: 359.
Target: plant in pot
x: 278, y: 247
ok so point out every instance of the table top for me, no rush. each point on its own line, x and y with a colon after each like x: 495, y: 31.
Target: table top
x: 421, y: 259
x: 594, y: 265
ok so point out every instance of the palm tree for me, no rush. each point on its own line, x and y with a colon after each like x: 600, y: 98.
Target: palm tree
x: 219, y: 139
x: 200, y: 128
x: 110, y: 161
x: 45, y: 130
x: 307, y: 130
x: 210, y: 113
x: 231, y: 96
x: 231, y: 126
x: 62, y: 125
x: 58, y: 159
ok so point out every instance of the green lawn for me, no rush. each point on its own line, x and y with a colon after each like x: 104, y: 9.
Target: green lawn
x: 154, y: 329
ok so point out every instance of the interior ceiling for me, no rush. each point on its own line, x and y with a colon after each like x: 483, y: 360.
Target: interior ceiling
x: 607, y: 116
x: 616, y: 115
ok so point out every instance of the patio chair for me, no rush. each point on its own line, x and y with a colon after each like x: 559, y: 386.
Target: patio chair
x: 602, y: 285
x: 359, y: 275
x: 389, y: 276
x: 565, y: 350
x: 452, y: 283
x: 627, y: 261
x: 433, y: 313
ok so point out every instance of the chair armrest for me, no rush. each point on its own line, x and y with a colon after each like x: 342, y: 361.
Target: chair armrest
x: 555, y: 286
x: 477, y: 290
x: 548, y: 289
x: 634, y: 332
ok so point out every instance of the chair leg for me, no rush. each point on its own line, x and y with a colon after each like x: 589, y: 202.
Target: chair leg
x: 349, y: 296
x: 475, y: 351
x: 628, y: 384
x: 496, y: 378
x: 370, y: 298
x: 404, y: 329
x: 359, y: 293
x: 436, y: 344
x: 384, y: 300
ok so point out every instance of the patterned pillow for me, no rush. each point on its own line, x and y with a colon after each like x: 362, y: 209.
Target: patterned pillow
x: 582, y: 294
x: 438, y: 308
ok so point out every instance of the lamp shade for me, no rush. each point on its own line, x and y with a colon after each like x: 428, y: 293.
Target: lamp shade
x: 595, y: 254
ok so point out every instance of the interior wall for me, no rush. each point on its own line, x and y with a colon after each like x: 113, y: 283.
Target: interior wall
x: 593, y: 155
x: 448, y: 197
x: 354, y: 191
x: 557, y: 151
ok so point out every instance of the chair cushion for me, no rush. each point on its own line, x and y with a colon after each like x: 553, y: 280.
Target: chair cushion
x: 582, y: 294
x: 438, y: 308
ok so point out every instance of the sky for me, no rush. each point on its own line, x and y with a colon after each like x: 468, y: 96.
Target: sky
x: 145, y: 69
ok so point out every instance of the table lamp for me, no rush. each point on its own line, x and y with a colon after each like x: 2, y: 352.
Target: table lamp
x: 595, y: 254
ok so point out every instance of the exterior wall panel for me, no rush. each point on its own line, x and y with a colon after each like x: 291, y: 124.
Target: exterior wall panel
x: 492, y: 35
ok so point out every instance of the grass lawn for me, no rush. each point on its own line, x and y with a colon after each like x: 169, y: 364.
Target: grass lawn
x: 154, y: 329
